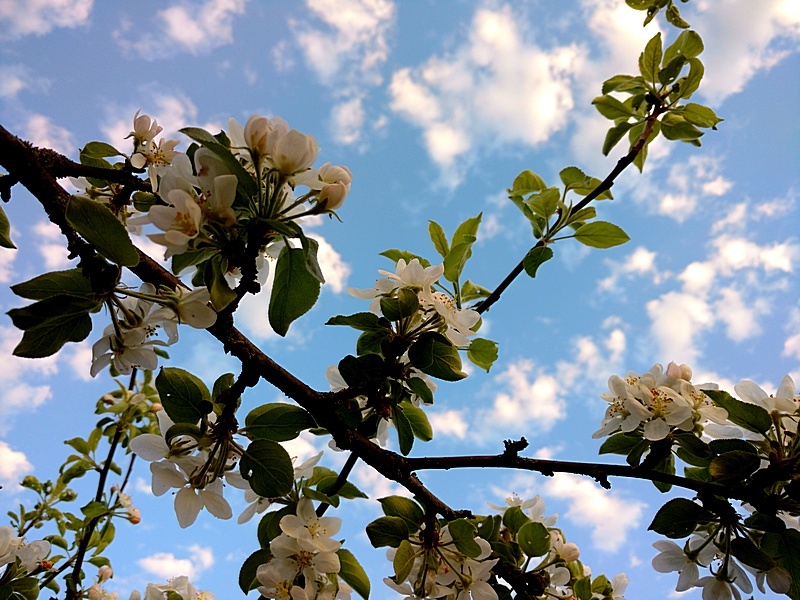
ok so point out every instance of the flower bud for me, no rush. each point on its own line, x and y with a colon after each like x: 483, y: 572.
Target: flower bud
x: 134, y: 516
x: 104, y: 573
x: 291, y: 151
x: 144, y: 129
x: 94, y: 592
x: 333, y: 195
x: 255, y: 134
x: 156, y: 407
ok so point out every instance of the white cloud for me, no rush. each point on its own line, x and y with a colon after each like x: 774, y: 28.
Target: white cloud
x: 24, y: 17
x: 334, y: 269
x: 495, y: 88
x: 166, y: 565
x: 449, y: 423
x: 195, y: 28
x: 18, y: 394
x: 16, y: 78
x: 7, y: 258
x: 690, y: 182
x: 610, y: 515
x: 79, y: 358
x: 740, y: 37
x: 14, y: 465
x: 347, y: 53
x: 530, y: 397
x: 51, y: 245
x: 739, y: 315
x: 41, y: 131
x: 638, y: 263
x: 677, y: 320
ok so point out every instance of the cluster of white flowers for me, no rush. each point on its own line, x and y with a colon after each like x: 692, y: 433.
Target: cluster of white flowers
x: 304, y: 562
x: 129, y: 341
x: 31, y: 555
x: 177, y: 586
x: 437, y: 309
x: 182, y: 465
x: 659, y: 400
x: 441, y: 571
x: 156, y: 156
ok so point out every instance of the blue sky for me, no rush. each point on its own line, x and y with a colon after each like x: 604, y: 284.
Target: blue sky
x: 435, y: 107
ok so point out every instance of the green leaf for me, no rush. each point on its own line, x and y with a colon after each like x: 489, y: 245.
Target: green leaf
x: 688, y: 44
x: 673, y: 16
x: 650, y: 59
x: 353, y: 573
x: 218, y: 287
x: 439, y: 238
x: 405, y: 304
x: 534, y: 539
x: 611, y: 108
x: 614, y: 135
x: 269, y: 526
x: 51, y: 323
x: 362, y: 369
x: 489, y: 527
x: 535, y: 257
x: 5, y: 231
x: 525, y: 183
x: 735, y: 465
x: 268, y: 468
x: 405, y: 508
x: 387, y: 531
x: 187, y: 259
x: 700, y: 115
x: 456, y: 259
x: 223, y: 382
x: 514, y: 519
x: 678, y: 518
x: 100, y: 227
x: 743, y: 414
x: 621, y: 82
x: 418, y: 420
x: 403, y: 560
x: 619, y: 443
x: 294, y: 291
x: 583, y: 588
x: 463, y: 533
x: 245, y: 179
x: 394, y: 255
x: 482, y: 353
x: 182, y: 395
x: 310, y: 247
x: 421, y: 389
x: 363, y: 321
x: 471, y: 291
x: 179, y: 429
x: 405, y: 434
x: 691, y: 82
x: 676, y: 128
x: 57, y: 283
x: 434, y: 355
x: 247, y: 574
x: 371, y: 342
x: 99, y: 150
x: 601, y: 234
x: 467, y: 232
x: 278, y: 422
x: 785, y: 548
x: 348, y: 490
x: 750, y: 554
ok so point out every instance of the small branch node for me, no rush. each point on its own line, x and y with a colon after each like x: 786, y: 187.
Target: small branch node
x: 513, y: 448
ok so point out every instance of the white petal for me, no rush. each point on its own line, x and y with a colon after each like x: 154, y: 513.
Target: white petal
x: 187, y: 506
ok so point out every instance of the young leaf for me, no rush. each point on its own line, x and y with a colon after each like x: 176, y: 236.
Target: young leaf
x: 750, y: 416
x: 403, y: 560
x: 467, y: 232
x: 482, y: 353
x: 535, y: 257
x: 363, y: 321
x: 456, y: 259
x: 601, y: 234
x: 405, y: 508
x: 525, y: 183
x: 438, y: 238
x: 463, y: 533
x: 420, y: 426
x: 650, y: 59
x: 611, y: 108
x: 101, y: 228
x: 394, y: 255
x: 294, y: 292
x: 534, y: 539
x: 614, y: 135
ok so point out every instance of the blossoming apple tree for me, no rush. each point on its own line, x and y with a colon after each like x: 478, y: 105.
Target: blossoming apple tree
x: 229, y: 208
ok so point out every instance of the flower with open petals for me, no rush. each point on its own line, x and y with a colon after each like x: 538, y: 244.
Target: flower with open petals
x: 306, y: 525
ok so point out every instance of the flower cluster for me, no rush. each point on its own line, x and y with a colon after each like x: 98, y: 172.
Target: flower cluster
x: 658, y: 401
x: 156, y: 156
x: 304, y: 561
x: 177, y: 587
x: 437, y: 310
x: 183, y: 464
x: 13, y: 548
x: 129, y: 341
